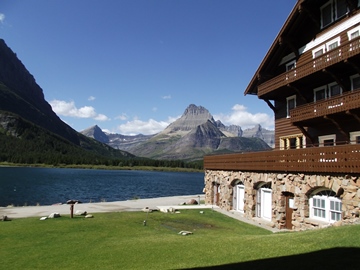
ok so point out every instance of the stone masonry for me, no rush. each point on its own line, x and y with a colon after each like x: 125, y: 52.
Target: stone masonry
x: 346, y: 187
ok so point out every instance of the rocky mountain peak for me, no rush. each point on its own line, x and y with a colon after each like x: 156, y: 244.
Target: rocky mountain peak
x: 96, y: 133
x: 192, y: 109
x: 192, y: 117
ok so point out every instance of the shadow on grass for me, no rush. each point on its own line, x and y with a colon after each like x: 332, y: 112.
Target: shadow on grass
x: 334, y: 258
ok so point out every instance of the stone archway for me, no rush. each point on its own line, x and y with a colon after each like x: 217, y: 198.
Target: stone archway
x: 238, y: 195
x: 264, y: 200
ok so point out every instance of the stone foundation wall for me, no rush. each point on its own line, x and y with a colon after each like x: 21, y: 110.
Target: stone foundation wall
x: 346, y: 187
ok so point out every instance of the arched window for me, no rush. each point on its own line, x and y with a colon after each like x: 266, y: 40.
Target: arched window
x: 325, y: 206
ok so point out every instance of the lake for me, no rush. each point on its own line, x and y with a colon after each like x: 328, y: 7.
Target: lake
x: 20, y: 186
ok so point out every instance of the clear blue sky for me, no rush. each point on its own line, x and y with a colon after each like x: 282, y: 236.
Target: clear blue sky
x: 133, y: 66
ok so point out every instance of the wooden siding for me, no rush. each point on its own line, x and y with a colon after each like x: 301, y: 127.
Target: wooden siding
x: 283, y: 128
x: 331, y: 159
x: 343, y: 52
x: 342, y: 103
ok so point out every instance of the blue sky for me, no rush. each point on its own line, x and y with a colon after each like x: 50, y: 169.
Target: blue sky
x: 133, y: 66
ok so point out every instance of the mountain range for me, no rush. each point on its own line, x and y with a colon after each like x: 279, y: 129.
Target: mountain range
x: 30, y: 132
x: 192, y: 136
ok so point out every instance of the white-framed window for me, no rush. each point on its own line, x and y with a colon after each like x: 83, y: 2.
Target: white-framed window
x: 320, y: 93
x: 318, y: 51
x: 327, y: 91
x: 291, y: 69
x: 291, y: 65
x: 325, y: 206
x: 290, y: 104
x: 326, y: 14
x: 355, y: 137
x: 353, y: 33
x: 327, y: 140
x: 341, y: 8
x: 333, y: 10
x: 333, y: 44
x: 334, y: 89
x: 355, y: 82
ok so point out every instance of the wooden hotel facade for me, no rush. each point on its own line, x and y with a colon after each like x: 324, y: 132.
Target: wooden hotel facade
x: 310, y: 78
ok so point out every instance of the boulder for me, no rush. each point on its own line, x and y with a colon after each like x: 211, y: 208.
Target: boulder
x: 54, y: 215
x: 89, y: 216
x: 192, y: 202
x: 80, y: 213
x: 5, y: 218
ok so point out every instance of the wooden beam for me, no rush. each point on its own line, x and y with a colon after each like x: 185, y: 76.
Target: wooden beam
x: 303, y: 9
x: 307, y: 135
x: 290, y: 43
x: 354, y: 65
x: 270, y: 105
x: 338, y: 127
x: 336, y: 78
x: 298, y: 92
x: 353, y: 115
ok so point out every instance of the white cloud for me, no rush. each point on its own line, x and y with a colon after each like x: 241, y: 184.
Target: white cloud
x: 241, y: 117
x: 69, y: 109
x: 144, y: 127
x: 2, y: 17
x: 91, y: 98
x: 166, y: 97
x: 101, y: 117
x: 122, y: 117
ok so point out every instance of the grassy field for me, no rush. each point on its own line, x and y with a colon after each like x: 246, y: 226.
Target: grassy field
x: 121, y: 241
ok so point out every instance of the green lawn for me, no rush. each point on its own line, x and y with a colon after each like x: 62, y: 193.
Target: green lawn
x: 121, y: 241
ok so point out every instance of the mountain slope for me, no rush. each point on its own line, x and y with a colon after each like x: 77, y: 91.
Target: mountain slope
x: 23, y: 106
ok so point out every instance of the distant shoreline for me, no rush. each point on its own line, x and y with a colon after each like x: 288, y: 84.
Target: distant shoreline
x: 102, y: 167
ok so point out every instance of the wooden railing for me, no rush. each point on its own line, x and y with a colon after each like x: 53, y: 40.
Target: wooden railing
x: 337, y: 104
x: 345, y: 51
x: 329, y: 159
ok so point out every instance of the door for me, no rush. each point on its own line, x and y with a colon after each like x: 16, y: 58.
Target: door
x: 216, y: 193
x: 289, y: 205
x: 266, y: 203
x: 240, y: 194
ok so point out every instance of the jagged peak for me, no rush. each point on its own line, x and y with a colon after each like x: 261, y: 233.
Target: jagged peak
x: 195, y: 110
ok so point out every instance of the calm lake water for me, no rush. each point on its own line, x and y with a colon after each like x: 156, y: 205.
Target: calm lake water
x: 46, y: 186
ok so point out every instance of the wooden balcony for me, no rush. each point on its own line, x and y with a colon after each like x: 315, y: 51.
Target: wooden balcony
x: 329, y: 159
x: 341, y: 53
x: 337, y: 104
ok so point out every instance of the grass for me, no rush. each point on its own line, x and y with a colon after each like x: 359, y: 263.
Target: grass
x: 121, y: 241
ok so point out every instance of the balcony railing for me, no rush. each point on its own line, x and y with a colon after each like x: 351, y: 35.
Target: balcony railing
x: 337, y: 104
x: 329, y: 159
x: 345, y: 51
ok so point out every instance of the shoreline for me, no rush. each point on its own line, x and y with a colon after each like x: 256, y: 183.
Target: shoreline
x: 101, y: 207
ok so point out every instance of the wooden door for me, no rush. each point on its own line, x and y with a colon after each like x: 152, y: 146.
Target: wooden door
x: 216, y: 199
x: 289, y: 204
